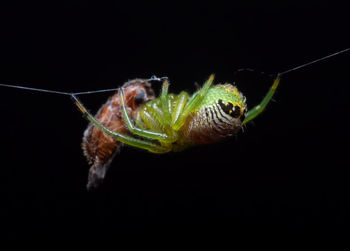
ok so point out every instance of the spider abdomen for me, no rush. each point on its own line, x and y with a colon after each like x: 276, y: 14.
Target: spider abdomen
x: 220, y: 115
x: 210, y: 124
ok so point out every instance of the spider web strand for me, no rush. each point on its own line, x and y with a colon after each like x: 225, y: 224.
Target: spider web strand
x: 313, y: 62
x: 154, y: 78
x: 57, y: 92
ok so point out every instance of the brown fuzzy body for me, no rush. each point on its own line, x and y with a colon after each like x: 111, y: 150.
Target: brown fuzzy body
x: 100, y: 148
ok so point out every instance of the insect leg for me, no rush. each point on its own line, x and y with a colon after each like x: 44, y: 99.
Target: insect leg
x: 121, y: 137
x: 260, y: 107
x: 193, y: 103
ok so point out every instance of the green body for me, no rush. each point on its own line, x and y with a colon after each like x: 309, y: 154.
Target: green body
x: 174, y: 122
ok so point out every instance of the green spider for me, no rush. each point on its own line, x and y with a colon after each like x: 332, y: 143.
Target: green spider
x: 174, y: 122
x: 167, y: 123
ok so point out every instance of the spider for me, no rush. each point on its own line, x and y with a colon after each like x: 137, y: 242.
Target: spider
x: 174, y: 122
x: 170, y: 122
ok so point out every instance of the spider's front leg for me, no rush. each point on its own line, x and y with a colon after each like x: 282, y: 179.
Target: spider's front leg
x: 138, y: 131
x: 165, y: 104
x: 260, y: 107
x: 128, y: 140
x: 193, y: 103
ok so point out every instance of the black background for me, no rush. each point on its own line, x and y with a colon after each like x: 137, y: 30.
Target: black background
x: 284, y: 177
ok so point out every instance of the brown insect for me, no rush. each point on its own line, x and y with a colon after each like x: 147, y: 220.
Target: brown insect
x: 99, y: 148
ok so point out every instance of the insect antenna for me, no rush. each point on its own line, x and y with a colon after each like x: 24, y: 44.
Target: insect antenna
x: 155, y: 78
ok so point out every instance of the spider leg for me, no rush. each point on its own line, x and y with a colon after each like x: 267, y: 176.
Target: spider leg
x: 179, y: 106
x: 171, y: 108
x: 193, y: 104
x: 260, y: 107
x: 165, y: 104
x: 137, y: 131
x: 155, y: 148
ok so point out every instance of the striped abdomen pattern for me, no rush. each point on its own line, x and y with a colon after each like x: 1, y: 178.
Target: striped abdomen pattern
x: 213, y: 123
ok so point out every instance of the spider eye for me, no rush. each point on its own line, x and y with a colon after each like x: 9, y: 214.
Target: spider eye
x: 140, y: 97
